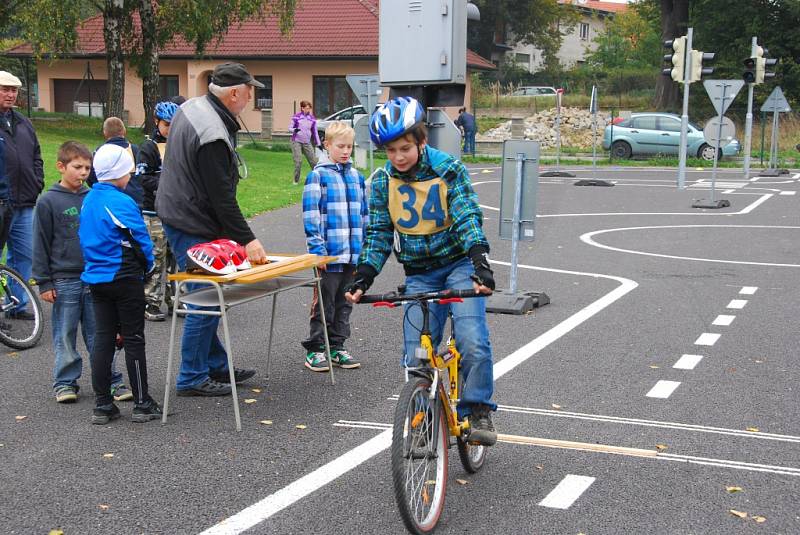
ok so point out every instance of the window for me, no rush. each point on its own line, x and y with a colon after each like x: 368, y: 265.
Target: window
x: 584, y: 31
x: 167, y: 87
x: 263, y: 97
x: 645, y: 123
x: 331, y: 93
x: 669, y: 125
x: 525, y: 59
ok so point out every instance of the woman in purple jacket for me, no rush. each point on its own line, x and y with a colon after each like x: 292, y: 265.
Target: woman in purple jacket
x: 304, y: 138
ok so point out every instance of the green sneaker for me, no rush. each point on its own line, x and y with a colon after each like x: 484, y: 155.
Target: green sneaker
x: 121, y: 393
x: 316, y: 361
x: 342, y: 359
x: 66, y: 394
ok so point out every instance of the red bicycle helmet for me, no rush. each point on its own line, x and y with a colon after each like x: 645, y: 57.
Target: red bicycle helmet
x: 236, y: 252
x: 209, y: 258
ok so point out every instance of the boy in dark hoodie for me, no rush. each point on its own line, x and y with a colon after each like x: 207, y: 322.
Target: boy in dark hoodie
x: 57, y: 267
x: 114, y: 132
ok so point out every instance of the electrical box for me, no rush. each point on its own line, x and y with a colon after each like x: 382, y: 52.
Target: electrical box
x: 423, y: 42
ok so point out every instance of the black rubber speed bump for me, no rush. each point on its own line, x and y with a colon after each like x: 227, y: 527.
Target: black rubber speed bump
x: 593, y: 182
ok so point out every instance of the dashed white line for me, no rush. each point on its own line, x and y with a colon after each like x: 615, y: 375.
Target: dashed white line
x: 737, y: 304
x: 663, y: 389
x: 748, y: 290
x: 687, y: 362
x: 707, y: 339
x: 723, y: 320
x: 566, y: 492
x: 787, y: 193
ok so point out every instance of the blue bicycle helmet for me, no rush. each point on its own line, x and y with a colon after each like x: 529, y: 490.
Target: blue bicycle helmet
x: 166, y: 111
x: 394, y: 119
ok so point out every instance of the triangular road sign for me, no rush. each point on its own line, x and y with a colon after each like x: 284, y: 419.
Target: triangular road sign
x: 776, y: 102
x: 716, y: 89
x: 366, y: 88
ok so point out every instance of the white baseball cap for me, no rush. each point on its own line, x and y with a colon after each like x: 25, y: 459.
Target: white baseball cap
x: 8, y: 79
x: 111, y: 162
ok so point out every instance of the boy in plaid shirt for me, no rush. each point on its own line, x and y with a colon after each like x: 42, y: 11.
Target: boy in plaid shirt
x: 334, y: 216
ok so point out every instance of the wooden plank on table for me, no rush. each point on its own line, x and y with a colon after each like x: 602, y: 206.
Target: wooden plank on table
x: 262, y: 272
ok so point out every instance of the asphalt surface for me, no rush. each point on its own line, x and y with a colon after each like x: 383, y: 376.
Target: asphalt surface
x: 636, y: 277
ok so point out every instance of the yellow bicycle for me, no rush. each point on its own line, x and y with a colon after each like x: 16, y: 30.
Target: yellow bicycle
x: 426, y: 420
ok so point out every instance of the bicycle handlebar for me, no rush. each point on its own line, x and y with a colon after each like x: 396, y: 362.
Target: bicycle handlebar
x: 394, y: 297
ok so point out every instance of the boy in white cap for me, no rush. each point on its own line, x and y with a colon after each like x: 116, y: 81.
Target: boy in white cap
x: 118, y: 255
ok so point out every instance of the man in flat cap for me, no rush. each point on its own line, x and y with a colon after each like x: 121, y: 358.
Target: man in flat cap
x: 196, y: 201
x: 25, y: 173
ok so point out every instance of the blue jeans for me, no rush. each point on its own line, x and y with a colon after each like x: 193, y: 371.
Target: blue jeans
x: 19, y: 255
x: 471, y: 331
x: 201, y: 349
x: 73, y: 306
x: 469, y: 142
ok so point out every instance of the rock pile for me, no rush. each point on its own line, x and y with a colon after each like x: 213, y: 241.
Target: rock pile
x: 576, y: 128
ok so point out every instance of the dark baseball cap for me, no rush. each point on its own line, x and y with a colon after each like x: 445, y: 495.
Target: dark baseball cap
x: 228, y: 74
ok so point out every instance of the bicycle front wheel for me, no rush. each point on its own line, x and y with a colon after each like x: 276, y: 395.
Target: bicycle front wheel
x: 419, y: 456
x: 20, y: 328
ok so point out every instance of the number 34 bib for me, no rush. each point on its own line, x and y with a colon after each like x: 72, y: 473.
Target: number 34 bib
x: 419, y: 208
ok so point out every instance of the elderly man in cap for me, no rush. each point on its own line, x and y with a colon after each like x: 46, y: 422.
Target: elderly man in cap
x: 196, y: 202
x: 25, y: 173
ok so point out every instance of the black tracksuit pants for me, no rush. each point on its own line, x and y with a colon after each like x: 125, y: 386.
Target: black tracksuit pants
x: 337, y: 312
x: 119, y: 307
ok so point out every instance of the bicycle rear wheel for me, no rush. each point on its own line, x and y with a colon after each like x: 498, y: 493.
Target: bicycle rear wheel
x: 419, y: 456
x: 19, y: 329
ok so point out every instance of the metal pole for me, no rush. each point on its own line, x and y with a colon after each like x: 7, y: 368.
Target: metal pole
x: 515, y: 222
x: 773, y: 163
x: 558, y: 138
x: 748, y: 125
x: 685, y: 113
x: 369, y: 113
x: 594, y: 145
x: 716, y: 144
x: 763, y: 133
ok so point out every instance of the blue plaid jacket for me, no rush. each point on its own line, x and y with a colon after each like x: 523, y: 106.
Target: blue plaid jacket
x: 420, y: 253
x: 335, y: 212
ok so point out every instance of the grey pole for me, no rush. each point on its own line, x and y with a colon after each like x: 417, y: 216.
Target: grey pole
x: 716, y: 144
x: 748, y: 123
x: 515, y: 223
x: 558, y: 138
x: 773, y: 141
x: 687, y: 68
x: 369, y: 113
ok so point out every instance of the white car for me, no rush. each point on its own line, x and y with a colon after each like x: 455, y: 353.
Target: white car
x: 534, y: 91
x: 351, y: 115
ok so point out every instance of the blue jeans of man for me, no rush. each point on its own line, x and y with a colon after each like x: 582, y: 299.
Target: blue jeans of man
x: 469, y: 142
x: 73, y: 306
x: 19, y: 255
x: 471, y: 330
x: 201, y: 349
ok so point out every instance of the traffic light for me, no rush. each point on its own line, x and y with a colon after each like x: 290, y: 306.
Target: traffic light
x: 749, y: 74
x: 762, y: 63
x: 677, y: 59
x: 697, y: 69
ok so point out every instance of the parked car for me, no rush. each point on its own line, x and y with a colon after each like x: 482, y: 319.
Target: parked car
x: 534, y: 91
x: 659, y: 133
x: 351, y: 115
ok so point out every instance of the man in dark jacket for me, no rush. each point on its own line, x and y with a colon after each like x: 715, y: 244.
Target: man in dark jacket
x: 25, y: 172
x: 5, y: 204
x: 466, y: 122
x: 196, y: 202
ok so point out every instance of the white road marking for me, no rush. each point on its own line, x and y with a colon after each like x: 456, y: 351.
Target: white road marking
x: 796, y: 176
x: 295, y: 491
x: 787, y: 193
x: 589, y: 238
x: 737, y: 465
x: 723, y: 320
x: 663, y: 389
x: 737, y: 304
x: 566, y: 492
x: 687, y: 362
x: 727, y: 191
x: 755, y: 179
x: 707, y: 339
x: 748, y: 290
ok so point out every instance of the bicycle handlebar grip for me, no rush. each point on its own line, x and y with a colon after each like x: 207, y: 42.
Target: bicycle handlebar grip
x: 376, y: 298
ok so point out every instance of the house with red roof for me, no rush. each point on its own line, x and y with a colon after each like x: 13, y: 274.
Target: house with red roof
x: 330, y: 39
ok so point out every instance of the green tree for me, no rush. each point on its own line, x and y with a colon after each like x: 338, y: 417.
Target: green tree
x: 629, y: 42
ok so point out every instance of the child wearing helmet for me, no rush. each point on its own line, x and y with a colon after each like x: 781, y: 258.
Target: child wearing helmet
x: 148, y: 171
x: 423, y: 207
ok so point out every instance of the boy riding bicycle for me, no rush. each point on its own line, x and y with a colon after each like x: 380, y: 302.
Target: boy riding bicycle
x: 424, y: 207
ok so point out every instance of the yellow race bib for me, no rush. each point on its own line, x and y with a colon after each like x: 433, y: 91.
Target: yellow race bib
x: 419, y: 208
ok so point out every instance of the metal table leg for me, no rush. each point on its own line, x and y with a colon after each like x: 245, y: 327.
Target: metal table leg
x: 324, y: 323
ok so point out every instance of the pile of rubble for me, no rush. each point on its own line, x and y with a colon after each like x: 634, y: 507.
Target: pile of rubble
x: 576, y: 128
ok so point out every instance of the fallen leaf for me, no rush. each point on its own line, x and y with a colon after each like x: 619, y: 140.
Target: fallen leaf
x: 661, y: 447
x: 56, y: 532
x: 734, y: 489
x: 653, y: 366
x: 760, y: 519
x: 266, y: 422
x: 740, y: 514
x: 108, y: 455
x: 13, y: 354
x: 556, y: 407
x: 103, y: 507
x: 256, y: 390
x: 20, y: 418
x: 539, y: 467
x: 753, y: 429
x: 461, y: 481
x: 300, y: 426
x: 759, y: 362
x: 249, y: 401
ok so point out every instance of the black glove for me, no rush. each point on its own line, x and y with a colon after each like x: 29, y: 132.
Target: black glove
x: 296, y: 130
x: 362, y: 280
x: 321, y: 147
x: 479, y: 255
